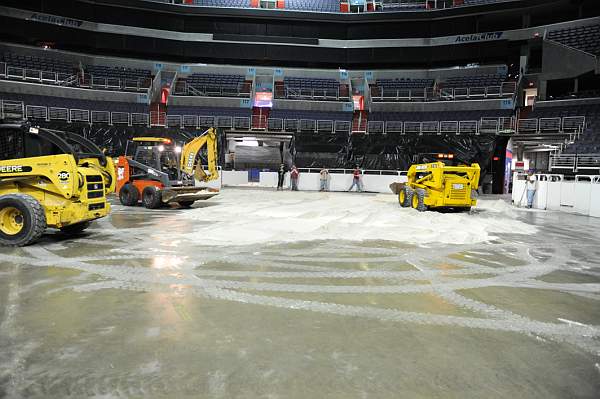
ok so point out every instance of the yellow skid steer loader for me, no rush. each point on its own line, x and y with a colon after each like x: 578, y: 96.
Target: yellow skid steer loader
x: 438, y: 186
x: 50, y: 179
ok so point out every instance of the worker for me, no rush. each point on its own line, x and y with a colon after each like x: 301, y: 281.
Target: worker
x: 531, y: 187
x: 356, y: 174
x: 280, y: 177
x: 324, y: 179
x: 294, y: 174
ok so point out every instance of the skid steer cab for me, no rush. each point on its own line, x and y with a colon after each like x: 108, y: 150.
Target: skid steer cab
x: 160, y: 172
x: 49, y: 178
x: 438, y: 186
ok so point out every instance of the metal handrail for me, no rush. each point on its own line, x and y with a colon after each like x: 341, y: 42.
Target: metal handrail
x: 240, y: 90
x: 575, y: 162
x: 14, y: 109
x: 69, y: 79
x: 534, y: 125
x: 383, y: 94
x: 312, y: 93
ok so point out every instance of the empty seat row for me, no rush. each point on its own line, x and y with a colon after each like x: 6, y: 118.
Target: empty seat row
x: 311, y: 83
x: 474, y: 81
x: 37, y: 63
x: 313, y: 5
x: 585, y: 38
x: 223, y: 3
x: 118, y: 72
x: 198, y: 79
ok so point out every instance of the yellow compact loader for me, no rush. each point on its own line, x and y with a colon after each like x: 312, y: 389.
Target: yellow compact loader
x: 438, y: 186
x: 50, y: 179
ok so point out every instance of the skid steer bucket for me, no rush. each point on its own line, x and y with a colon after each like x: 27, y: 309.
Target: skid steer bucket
x: 186, y: 194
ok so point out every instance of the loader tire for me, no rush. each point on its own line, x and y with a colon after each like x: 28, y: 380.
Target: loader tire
x: 151, y: 197
x: 76, y: 228
x: 405, y: 196
x: 128, y: 195
x: 186, y: 204
x: 22, y: 220
x: 418, y: 200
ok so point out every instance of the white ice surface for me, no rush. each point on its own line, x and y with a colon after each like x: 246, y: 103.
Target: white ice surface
x: 243, y: 217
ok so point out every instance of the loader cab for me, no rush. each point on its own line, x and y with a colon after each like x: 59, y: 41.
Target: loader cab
x: 21, y: 141
x: 158, y: 153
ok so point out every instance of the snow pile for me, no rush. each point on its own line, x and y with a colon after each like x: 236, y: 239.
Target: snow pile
x: 243, y: 217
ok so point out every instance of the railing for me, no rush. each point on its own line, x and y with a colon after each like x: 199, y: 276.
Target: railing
x: 35, y: 75
x: 296, y: 93
x: 36, y: 112
x: 11, y: 109
x: 186, y: 89
x: 567, y: 124
x: 109, y: 83
x: 158, y: 118
x: 140, y: 119
x: 483, y: 126
x: 404, y: 4
x: 120, y: 118
x: 101, y: 117
x: 469, y: 127
x: 16, y: 109
x: 575, y: 162
x: 258, y: 122
x: 71, y: 79
x: 386, y: 94
x: 79, y: 115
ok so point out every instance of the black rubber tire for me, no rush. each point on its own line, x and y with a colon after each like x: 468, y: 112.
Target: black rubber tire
x: 151, y: 197
x: 128, y: 195
x: 75, y: 229
x: 186, y: 204
x: 34, y: 219
x: 420, y: 193
x: 408, y: 194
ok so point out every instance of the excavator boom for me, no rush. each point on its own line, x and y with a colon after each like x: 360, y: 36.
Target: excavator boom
x: 190, y: 161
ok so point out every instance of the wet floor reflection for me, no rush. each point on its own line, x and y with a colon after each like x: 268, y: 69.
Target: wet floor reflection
x: 139, y: 308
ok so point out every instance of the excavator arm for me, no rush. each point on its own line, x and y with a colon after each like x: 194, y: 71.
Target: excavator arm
x: 190, y: 161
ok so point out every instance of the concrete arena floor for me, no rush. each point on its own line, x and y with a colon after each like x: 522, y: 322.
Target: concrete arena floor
x: 287, y: 297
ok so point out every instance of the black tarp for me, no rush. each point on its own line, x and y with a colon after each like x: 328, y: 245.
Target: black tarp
x: 389, y: 152
x: 113, y: 139
x: 374, y: 151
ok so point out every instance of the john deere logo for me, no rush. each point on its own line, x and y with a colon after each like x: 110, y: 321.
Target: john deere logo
x: 63, y: 176
x: 14, y: 168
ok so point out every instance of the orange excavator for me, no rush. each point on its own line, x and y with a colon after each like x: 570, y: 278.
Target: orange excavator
x: 160, y: 172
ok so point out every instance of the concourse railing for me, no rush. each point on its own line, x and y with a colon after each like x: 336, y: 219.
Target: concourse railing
x: 90, y: 81
x: 387, y: 94
x: 575, y: 162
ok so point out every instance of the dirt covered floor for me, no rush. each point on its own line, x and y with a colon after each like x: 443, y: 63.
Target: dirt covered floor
x: 264, y: 294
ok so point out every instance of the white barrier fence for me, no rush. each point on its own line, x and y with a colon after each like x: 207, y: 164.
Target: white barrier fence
x: 375, y: 181
x: 579, y: 194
